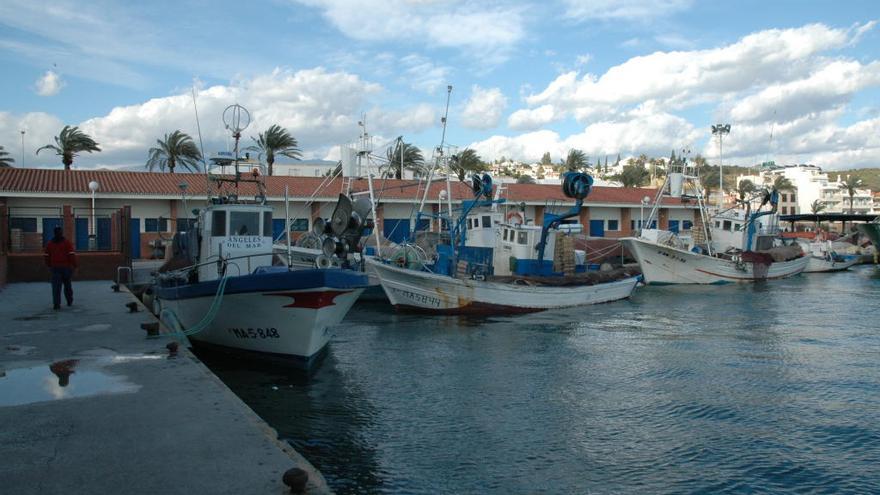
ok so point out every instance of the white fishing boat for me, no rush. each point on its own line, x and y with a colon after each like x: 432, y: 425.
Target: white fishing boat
x: 510, y: 277
x: 668, y: 258
x: 824, y: 258
x: 223, y: 291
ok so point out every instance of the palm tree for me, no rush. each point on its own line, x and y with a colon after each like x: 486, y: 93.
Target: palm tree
x: 817, y: 207
x: 5, y: 159
x: 745, y: 188
x: 782, y: 183
x: 634, y: 174
x: 576, y: 161
x: 276, y: 141
x: 467, y: 162
x: 708, y: 176
x: 177, y: 149
x: 850, y: 185
x: 70, y: 142
x: 404, y: 156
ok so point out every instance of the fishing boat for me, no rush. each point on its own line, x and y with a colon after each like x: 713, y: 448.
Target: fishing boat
x: 222, y: 289
x: 669, y: 258
x: 510, y: 277
x: 824, y: 258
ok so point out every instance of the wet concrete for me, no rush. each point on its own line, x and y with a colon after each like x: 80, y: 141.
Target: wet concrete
x: 89, y: 405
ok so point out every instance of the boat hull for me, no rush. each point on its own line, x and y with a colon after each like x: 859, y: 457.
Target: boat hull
x: 428, y: 292
x: 668, y: 265
x: 872, y: 230
x: 286, y: 316
x: 819, y: 264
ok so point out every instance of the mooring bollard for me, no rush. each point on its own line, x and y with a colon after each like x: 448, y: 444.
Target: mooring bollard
x: 296, y: 479
x: 172, y: 349
x: 115, y: 287
x: 132, y: 307
x: 152, y: 328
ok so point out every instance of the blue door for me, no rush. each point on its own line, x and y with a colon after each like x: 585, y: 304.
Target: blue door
x: 597, y: 228
x: 103, y: 234
x: 82, y: 234
x: 396, y: 229
x: 673, y: 226
x: 49, y: 225
x: 277, y: 228
x: 135, y: 236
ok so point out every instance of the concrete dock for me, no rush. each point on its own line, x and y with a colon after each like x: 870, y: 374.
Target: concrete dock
x: 88, y: 404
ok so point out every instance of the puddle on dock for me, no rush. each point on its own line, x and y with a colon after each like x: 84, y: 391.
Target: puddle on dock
x: 66, y: 379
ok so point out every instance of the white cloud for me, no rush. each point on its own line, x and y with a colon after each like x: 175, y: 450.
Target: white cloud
x: 532, y: 118
x: 637, y: 132
x: 423, y: 74
x: 485, y: 30
x: 483, y: 108
x: 617, y: 10
x: 831, y: 85
x: 320, y: 108
x: 49, y: 84
x: 680, y: 79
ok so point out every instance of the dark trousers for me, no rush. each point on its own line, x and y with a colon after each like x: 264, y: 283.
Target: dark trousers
x: 61, y: 276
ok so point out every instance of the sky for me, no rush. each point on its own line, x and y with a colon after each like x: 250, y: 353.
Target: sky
x: 799, y: 82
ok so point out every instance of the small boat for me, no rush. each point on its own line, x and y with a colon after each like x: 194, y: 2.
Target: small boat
x: 823, y: 257
x: 669, y: 258
x: 871, y: 230
x: 466, y: 279
x: 223, y: 291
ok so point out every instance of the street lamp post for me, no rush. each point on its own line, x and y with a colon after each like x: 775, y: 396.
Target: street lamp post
x: 644, y: 203
x: 22, y: 148
x: 720, y: 130
x: 93, y: 241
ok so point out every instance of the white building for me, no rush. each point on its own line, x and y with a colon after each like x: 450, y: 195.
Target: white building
x: 811, y: 184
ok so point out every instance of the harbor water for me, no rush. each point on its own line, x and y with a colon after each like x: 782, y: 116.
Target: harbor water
x: 770, y: 387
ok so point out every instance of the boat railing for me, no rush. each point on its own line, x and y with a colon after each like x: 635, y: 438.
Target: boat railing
x: 214, y: 261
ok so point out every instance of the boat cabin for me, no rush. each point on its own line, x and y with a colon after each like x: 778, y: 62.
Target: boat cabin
x: 239, y: 233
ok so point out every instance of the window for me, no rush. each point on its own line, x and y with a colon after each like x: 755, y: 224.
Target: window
x: 613, y: 225
x: 25, y: 224
x: 155, y: 225
x: 244, y: 223
x: 632, y: 225
x: 738, y: 227
x: 487, y: 221
x: 727, y: 225
x: 687, y: 225
x: 717, y: 224
x: 785, y: 210
x: 267, y: 223
x: 504, y: 236
x: 299, y: 225
x: 784, y: 197
x: 522, y: 237
x: 218, y: 223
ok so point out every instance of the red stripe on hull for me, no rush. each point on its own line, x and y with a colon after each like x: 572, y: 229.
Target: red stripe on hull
x: 470, y: 309
x: 740, y: 278
x: 312, y: 300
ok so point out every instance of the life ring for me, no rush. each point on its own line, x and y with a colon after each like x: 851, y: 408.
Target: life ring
x: 514, y: 218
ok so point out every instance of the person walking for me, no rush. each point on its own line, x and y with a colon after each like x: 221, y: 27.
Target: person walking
x: 61, y: 260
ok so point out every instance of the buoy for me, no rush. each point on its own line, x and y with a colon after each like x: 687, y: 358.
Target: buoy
x: 296, y: 479
x: 514, y: 218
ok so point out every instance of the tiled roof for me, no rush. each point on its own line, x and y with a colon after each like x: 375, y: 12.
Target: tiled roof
x: 31, y: 180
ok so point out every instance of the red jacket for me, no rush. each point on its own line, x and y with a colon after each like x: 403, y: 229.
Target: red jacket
x: 60, y: 254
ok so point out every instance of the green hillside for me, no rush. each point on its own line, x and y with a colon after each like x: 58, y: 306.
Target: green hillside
x: 870, y: 176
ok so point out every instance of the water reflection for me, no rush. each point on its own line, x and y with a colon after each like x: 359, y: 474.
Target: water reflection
x: 739, y: 388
